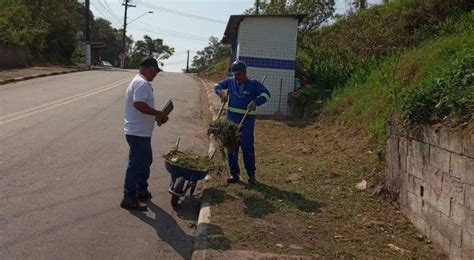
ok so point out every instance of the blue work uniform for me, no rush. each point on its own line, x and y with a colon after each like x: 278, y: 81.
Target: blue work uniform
x: 240, y: 95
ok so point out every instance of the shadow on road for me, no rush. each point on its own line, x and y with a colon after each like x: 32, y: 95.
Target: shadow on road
x: 189, y: 209
x: 167, y: 230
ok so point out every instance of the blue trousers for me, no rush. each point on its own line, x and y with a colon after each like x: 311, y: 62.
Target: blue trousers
x: 140, y: 159
x: 247, y: 145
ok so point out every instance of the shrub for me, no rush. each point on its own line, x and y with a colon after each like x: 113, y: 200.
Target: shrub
x: 449, y: 99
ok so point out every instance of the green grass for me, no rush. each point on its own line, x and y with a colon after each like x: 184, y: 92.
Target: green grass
x: 373, y: 95
x: 330, y: 55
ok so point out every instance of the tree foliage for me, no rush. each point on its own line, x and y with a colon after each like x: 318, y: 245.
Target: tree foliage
x: 47, y: 29
x: 149, y: 47
x: 210, y: 55
x: 317, y: 11
x: 102, y: 31
x: 53, y: 31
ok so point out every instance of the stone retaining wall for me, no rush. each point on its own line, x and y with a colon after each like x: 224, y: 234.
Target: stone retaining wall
x: 431, y: 171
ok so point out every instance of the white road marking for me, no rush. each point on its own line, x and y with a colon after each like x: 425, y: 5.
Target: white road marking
x: 60, y: 102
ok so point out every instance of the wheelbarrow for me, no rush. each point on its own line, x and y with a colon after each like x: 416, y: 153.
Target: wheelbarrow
x: 183, y: 179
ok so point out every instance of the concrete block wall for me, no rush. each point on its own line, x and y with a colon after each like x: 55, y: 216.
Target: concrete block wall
x: 268, y: 46
x: 431, y: 172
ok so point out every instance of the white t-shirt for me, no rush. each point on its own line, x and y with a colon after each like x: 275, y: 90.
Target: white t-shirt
x: 137, y: 123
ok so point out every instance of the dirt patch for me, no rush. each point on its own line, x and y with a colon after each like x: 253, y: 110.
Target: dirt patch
x: 306, y: 202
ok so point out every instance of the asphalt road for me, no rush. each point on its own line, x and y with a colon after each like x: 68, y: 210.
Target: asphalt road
x: 62, y: 162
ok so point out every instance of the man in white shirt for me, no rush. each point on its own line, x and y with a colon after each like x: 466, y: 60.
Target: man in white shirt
x: 140, y: 117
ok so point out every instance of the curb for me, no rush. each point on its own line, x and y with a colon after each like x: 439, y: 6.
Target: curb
x: 34, y: 76
x: 204, y: 219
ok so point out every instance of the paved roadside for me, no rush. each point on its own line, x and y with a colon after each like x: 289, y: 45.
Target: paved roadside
x: 14, y: 75
x: 62, y: 161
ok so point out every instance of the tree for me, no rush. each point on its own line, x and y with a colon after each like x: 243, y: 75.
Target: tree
x: 317, y: 11
x: 153, y: 48
x: 102, y: 31
x: 47, y: 29
x: 149, y: 47
x: 18, y: 28
x: 210, y: 55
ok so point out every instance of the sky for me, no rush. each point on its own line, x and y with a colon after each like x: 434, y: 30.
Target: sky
x: 182, y: 24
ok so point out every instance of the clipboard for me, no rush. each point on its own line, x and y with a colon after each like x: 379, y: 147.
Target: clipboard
x: 168, y: 107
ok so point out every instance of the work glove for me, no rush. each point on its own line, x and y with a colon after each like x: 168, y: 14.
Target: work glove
x: 252, y: 106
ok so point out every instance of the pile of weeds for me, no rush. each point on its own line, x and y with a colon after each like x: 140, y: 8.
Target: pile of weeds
x: 188, y: 160
x: 225, y: 132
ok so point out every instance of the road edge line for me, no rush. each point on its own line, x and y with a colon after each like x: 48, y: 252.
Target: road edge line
x: 204, y: 219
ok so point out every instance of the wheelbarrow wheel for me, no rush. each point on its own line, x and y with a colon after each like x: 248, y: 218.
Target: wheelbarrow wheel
x: 178, y: 188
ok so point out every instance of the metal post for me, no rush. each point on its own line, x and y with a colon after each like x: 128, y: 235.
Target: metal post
x: 187, y: 64
x: 88, y: 35
x: 124, y: 33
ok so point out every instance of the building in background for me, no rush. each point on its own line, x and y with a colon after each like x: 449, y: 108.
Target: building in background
x: 267, y: 43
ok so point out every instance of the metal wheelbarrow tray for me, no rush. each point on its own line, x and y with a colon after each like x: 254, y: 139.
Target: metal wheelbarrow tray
x: 182, y: 180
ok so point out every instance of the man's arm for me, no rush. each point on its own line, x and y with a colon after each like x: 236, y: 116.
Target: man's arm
x: 219, y: 89
x: 146, y: 109
x: 143, y: 107
x: 140, y: 94
x: 263, y: 95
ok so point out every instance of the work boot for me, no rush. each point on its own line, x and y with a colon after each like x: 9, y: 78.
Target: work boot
x: 233, y: 179
x: 144, y: 195
x: 252, y: 181
x: 133, y: 204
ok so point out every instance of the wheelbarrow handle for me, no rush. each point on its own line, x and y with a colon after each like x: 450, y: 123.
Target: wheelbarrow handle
x: 176, y: 147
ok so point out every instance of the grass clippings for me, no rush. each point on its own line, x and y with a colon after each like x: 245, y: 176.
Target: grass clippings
x: 188, y: 160
x: 225, y: 132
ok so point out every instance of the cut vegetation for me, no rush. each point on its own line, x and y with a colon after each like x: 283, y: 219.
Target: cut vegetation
x: 188, y: 160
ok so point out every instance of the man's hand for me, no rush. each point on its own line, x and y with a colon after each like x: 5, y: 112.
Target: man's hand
x: 223, y: 95
x: 252, y: 106
x: 163, y: 121
x: 161, y: 118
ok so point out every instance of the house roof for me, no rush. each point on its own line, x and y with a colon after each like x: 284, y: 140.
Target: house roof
x: 235, y: 20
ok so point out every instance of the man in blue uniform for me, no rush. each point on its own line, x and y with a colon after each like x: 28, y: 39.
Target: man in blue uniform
x: 243, y: 94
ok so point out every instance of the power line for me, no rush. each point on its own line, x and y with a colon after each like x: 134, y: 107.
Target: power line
x: 98, y: 10
x: 172, y: 35
x: 109, y: 10
x: 102, y: 6
x: 175, y: 12
x: 166, y: 30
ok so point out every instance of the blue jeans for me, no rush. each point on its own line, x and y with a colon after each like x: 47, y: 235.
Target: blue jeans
x: 140, y: 159
x: 246, y: 143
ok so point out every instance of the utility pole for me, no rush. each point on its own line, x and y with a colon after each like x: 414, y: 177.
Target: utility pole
x: 257, y: 6
x: 187, y: 64
x: 88, y: 35
x: 124, y: 35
